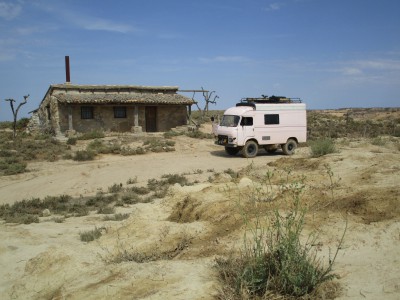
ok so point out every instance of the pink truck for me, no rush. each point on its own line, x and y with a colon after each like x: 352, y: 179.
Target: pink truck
x: 268, y: 122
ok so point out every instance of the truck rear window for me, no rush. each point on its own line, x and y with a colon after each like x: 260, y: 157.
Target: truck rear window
x: 271, y: 119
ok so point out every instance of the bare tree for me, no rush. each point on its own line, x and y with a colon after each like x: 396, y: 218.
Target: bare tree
x: 209, y: 98
x: 15, y: 112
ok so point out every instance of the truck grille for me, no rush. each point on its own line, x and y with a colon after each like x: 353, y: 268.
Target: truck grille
x: 222, y: 139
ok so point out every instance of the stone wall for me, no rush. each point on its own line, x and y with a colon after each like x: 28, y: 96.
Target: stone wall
x: 171, y: 116
x: 168, y: 116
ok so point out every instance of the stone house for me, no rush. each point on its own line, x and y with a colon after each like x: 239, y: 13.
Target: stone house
x: 70, y: 108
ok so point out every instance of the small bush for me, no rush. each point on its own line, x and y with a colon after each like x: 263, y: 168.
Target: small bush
x: 72, y: 141
x: 91, y: 235
x: 132, y: 180
x: 130, y: 198
x: 322, y: 147
x: 58, y: 220
x: 92, y: 135
x: 78, y: 210
x: 101, y: 200
x: 115, y: 188
x: 12, y: 166
x: 140, y: 190
x: 116, y: 217
x: 171, y: 133
x: 21, y: 218
x: 274, y: 262
x: 106, y: 210
x: 83, y: 155
x: 378, y: 141
x: 196, y: 134
x: 396, y: 132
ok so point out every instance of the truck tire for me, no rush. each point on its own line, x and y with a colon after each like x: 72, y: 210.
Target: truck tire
x: 250, y: 149
x: 290, y: 147
x: 232, y: 150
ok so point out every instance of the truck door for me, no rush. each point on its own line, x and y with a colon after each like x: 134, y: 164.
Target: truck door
x: 245, y: 129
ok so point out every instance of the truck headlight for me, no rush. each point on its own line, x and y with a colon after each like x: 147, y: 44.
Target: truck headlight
x: 231, y: 140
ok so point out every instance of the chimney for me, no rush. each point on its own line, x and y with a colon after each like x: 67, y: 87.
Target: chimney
x: 67, y: 71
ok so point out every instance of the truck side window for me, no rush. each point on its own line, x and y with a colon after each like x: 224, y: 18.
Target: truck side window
x: 246, y: 121
x: 271, y: 119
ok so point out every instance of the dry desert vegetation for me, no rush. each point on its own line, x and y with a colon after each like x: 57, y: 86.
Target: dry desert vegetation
x: 172, y: 216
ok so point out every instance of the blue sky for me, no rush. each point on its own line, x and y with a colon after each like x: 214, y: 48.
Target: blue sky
x: 330, y: 53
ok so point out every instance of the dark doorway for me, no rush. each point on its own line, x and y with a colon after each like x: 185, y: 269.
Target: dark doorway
x: 151, y: 118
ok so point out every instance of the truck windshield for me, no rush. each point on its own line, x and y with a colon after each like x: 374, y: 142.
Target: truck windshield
x: 230, y: 121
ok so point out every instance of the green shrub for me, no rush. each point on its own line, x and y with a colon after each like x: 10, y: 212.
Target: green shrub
x: 101, y: 200
x: 396, y: 132
x: 115, y: 188
x: 78, y: 210
x: 95, y: 134
x: 12, y: 166
x: 91, y: 235
x: 6, y: 125
x: 83, y: 155
x: 167, y: 180
x: 378, y: 141
x: 72, y: 141
x: 322, y: 147
x: 31, y: 210
x: 106, y: 210
x: 22, y: 219
x: 130, y: 198
x: 140, y: 190
x: 116, y: 217
x: 274, y: 261
x: 196, y: 134
x: 132, y: 180
x: 171, y: 133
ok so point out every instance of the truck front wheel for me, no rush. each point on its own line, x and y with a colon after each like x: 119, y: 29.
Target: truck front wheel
x: 290, y: 147
x: 250, y: 149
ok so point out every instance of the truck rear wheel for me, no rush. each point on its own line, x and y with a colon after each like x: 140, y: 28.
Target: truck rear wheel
x: 232, y: 150
x: 250, y: 149
x: 290, y: 147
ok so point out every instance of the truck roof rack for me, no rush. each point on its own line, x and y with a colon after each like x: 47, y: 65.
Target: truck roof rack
x: 266, y: 99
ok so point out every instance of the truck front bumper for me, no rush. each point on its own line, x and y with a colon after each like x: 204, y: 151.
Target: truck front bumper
x: 224, y: 140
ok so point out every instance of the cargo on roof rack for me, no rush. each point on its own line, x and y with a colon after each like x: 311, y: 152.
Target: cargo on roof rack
x: 271, y: 99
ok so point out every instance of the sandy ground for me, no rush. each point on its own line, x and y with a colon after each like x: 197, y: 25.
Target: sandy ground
x: 183, y: 233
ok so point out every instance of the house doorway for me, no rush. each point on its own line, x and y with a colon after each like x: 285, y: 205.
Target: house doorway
x: 151, y: 118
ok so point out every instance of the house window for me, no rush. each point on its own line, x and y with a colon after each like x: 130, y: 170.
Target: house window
x: 48, y: 112
x: 271, y: 119
x: 119, y: 112
x: 87, y: 112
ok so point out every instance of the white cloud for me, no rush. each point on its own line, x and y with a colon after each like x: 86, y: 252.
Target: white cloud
x: 369, y: 67
x: 9, y: 11
x: 105, y: 25
x: 351, y: 71
x: 379, y: 64
x: 84, y: 21
x: 35, y: 29
x: 273, y: 6
x: 98, y: 24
